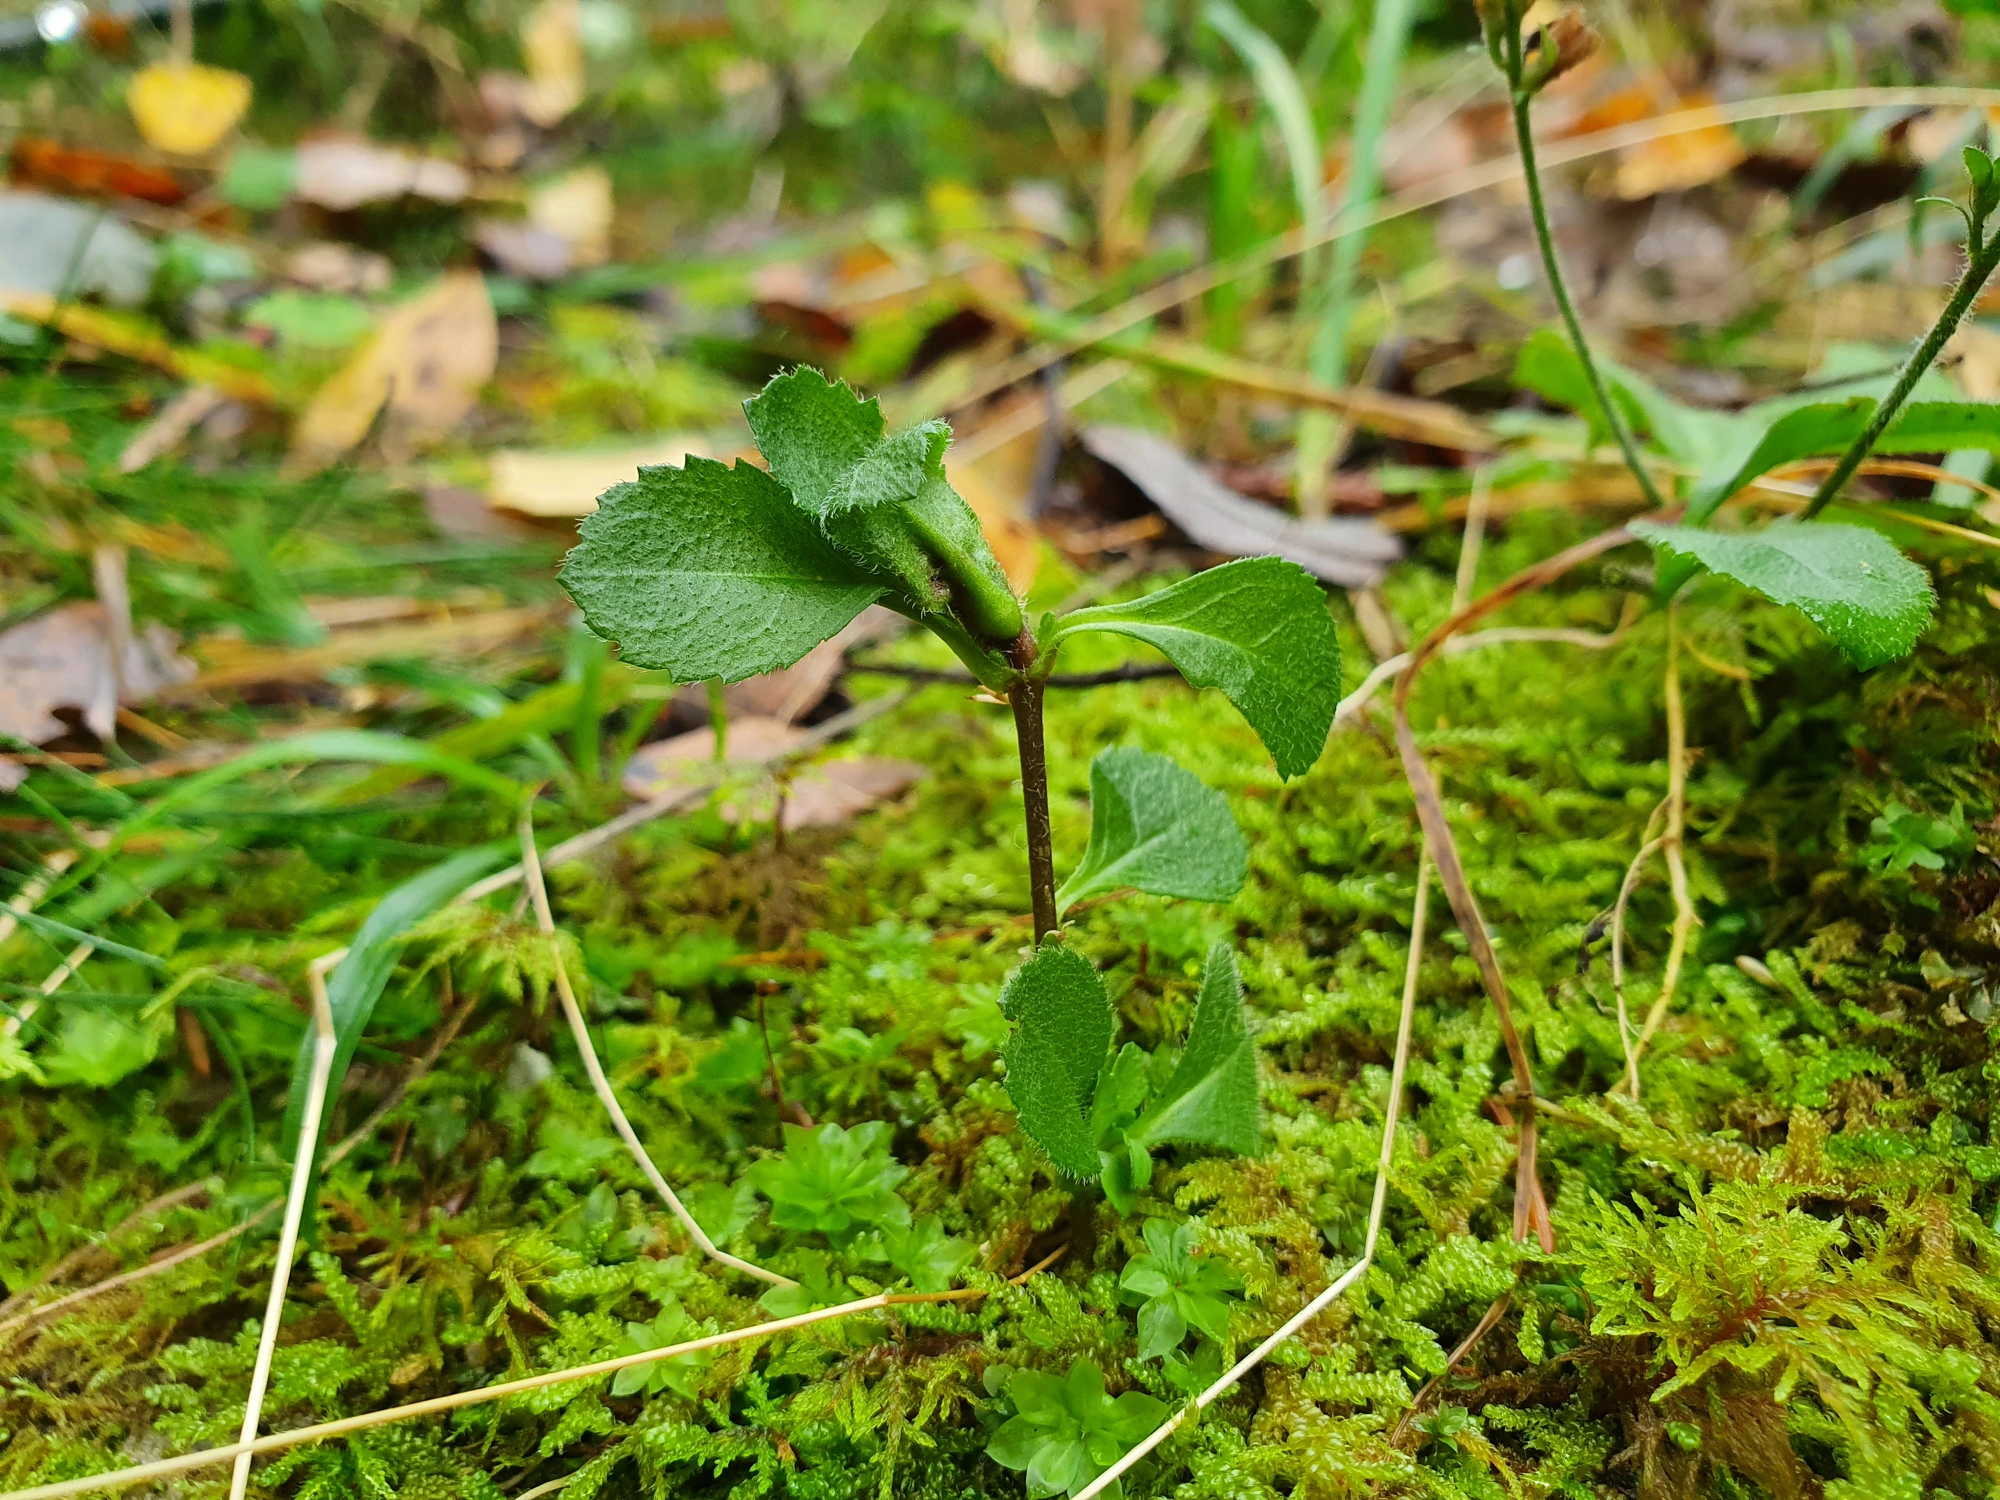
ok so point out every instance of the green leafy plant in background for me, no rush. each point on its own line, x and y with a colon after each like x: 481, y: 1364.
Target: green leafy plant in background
x: 1870, y: 599
x: 1064, y: 1432
x: 680, y: 1374
x: 1176, y: 1289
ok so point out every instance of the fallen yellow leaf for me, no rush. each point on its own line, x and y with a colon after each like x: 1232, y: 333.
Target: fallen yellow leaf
x: 1675, y: 163
x: 567, y: 484
x: 552, y: 48
x: 186, y: 108
x: 425, y: 365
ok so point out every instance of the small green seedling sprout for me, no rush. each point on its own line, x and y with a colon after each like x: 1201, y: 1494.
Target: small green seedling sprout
x: 681, y: 1373
x: 1098, y: 1116
x: 1064, y: 1432
x: 834, y: 1181
x: 1901, y: 840
x: 1870, y: 599
x: 1177, y: 1290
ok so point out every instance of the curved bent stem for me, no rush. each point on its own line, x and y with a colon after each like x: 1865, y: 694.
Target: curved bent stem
x: 538, y: 892
x: 325, y: 1043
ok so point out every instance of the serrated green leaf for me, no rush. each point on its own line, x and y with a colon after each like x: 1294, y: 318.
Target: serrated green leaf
x: 711, y: 571
x: 1211, y: 1100
x: 1062, y: 1031
x: 1156, y: 827
x: 1259, y: 630
x: 884, y: 502
x: 1873, y: 601
x: 813, y: 431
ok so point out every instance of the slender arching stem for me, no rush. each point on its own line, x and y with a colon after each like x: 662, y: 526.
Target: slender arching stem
x: 1524, y: 135
x: 1978, y: 267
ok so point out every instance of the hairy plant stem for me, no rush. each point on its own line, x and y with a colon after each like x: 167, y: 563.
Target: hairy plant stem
x: 1979, y: 266
x: 1538, y: 211
x: 1024, y: 693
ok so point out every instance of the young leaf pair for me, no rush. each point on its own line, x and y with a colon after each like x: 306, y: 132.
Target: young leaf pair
x: 1100, y: 1115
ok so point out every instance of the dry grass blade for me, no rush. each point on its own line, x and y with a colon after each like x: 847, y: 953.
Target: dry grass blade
x: 119, y: 1479
x: 1199, y: 282
x: 324, y: 1044
x: 1530, y: 1208
x: 1398, y: 1070
x: 579, y: 1030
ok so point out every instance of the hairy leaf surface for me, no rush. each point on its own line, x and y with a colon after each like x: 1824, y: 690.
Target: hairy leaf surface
x: 711, y: 571
x: 1158, y: 828
x: 1259, y: 630
x: 1062, y: 1031
x: 1211, y: 1100
x: 1851, y: 582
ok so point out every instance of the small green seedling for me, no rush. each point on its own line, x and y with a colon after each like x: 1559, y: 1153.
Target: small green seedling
x: 1870, y: 599
x: 1065, y: 1432
x: 1901, y: 840
x: 719, y: 573
x: 681, y: 1374
x: 834, y: 1181
x: 1177, y: 1290
x: 1100, y: 1116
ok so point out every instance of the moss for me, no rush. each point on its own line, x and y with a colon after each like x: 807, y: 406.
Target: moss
x: 1776, y: 1274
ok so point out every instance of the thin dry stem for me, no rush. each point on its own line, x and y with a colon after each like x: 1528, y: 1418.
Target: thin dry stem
x: 1475, y: 537
x: 119, y: 1479
x: 1671, y: 843
x: 1647, y: 849
x: 1419, y: 907
x: 580, y: 1031
x: 325, y: 1042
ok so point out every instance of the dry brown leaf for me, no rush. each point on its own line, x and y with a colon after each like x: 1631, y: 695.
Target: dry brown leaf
x: 790, y: 693
x: 816, y: 796
x: 552, y: 47
x: 343, y: 174
x: 1675, y: 163
x: 576, y: 207
x: 186, y: 108
x: 1347, y: 550
x: 566, y: 484
x: 329, y: 266
x: 837, y: 791
x: 62, y: 658
x: 425, y: 363
x: 688, y: 758
x: 523, y: 250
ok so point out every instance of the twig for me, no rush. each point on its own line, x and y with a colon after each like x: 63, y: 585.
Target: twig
x: 118, y: 1479
x: 326, y: 1042
x: 1671, y: 842
x: 646, y: 812
x: 1480, y: 1329
x: 580, y: 1031
x: 1398, y: 1070
x: 1648, y: 847
x: 1530, y: 1208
